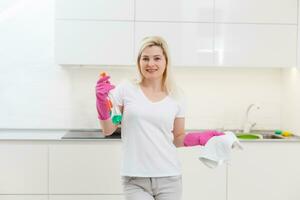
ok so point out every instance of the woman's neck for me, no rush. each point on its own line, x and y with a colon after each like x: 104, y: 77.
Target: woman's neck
x: 153, y: 85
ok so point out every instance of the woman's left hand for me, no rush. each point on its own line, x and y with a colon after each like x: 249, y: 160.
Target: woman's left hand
x: 200, y: 138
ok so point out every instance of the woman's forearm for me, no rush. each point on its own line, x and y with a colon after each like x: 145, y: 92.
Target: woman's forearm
x: 108, y: 127
x: 178, y: 140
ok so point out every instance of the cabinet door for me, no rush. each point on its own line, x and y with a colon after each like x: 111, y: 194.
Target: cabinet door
x: 23, y: 197
x: 95, y: 9
x: 23, y: 168
x: 191, y: 44
x: 85, y: 168
x: 174, y: 10
x: 86, y: 197
x: 199, y: 181
x: 256, y: 11
x: 269, y: 170
x: 256, y: 45
x: 94, y: 42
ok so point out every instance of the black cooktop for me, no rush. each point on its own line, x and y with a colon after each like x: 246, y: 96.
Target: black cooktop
x: 90, y: 134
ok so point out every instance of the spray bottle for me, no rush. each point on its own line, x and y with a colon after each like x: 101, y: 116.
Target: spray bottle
x: 115, y: 113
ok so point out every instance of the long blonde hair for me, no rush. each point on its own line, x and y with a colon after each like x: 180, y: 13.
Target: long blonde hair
x: 167, y: 81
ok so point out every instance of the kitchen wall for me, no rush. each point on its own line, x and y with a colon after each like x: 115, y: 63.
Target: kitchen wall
x: 291, y: 99
x: 37, y: 93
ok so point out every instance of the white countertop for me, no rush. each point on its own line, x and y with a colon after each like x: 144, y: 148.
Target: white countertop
x: 57, y: 134
x: 31, y: 134
x: 40, y: 134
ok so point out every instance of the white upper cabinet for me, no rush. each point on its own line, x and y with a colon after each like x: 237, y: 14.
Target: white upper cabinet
x: 255, y: 45
x: 95, y: 9
x: 94, y: 42
x: 174, y: 10
x: 190, y: 44
x: 256, y: 11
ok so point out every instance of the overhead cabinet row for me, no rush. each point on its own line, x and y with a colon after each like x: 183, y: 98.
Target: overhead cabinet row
x: 246, y: 11
x: 247, y: 33
x: 191, y: 44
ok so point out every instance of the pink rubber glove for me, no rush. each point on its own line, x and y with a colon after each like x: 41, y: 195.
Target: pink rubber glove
x: 102, y: 89
x: 199, y: 138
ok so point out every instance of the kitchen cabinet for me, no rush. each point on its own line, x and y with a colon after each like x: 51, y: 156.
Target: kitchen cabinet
x: 199, y: 181
x: 23, y: 169
x: 175, y: 10
x: 248, y: 33
x: 191, y: 44
x: 23, y: 197
x: 265, y: 171
x: 255, y: 45
x: 94, y: 42
x: 256, y: 11
x: 85, y: 168
x: 86, y: 197
x: 95, y: 9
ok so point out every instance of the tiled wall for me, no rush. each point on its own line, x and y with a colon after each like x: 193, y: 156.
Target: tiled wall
x: 37, y: 93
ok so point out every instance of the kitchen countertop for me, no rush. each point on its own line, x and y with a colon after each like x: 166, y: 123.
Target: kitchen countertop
x: 56, y: 134
x: 84, y: 134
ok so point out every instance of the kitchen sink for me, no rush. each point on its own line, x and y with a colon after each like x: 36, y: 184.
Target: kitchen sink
x: 272, y: 136
x: 259, y: 136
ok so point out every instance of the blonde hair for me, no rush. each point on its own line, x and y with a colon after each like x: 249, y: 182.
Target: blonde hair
x: 167, y: 81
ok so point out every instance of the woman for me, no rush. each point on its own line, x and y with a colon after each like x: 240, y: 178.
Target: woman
x: 152, y: 126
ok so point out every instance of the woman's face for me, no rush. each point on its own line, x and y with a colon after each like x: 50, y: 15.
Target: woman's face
x: 152, y: 63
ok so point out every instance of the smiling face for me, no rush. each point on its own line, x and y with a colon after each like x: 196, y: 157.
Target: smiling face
x: 152, y: 63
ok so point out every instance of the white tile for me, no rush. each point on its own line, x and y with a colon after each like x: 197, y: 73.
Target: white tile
x: 191, y: 44
x: 256, y: 11
x: 175, y: 10
x: 255, y: 45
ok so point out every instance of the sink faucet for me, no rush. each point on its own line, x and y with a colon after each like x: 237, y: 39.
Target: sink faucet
x: 247, y: 125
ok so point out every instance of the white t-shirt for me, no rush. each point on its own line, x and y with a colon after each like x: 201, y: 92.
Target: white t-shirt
x: 147, y: 137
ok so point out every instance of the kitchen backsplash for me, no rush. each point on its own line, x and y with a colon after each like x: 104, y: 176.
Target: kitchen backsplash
x: 291, y: 100
x: 63, y: 97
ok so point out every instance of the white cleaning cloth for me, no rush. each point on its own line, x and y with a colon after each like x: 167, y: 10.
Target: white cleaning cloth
x: 218, y: 149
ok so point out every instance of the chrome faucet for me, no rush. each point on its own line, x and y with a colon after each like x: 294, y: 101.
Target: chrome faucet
x: 247, y: 125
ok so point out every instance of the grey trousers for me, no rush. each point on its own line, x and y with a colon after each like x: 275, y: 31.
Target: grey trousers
x: 157, y: 188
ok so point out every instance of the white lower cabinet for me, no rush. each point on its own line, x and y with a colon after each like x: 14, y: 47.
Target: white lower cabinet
x: 23, y: 169
x: 269, y: 170
x: 90, y: 170
x: 85, y: 168
x: 23, y: 197
x: 199, y: 181
x: 86, y: 197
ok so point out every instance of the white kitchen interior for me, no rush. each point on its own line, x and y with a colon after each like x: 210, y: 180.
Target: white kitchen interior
x: 226, y: 54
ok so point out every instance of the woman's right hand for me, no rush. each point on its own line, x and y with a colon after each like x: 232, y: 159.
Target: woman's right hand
x: 102, y: 89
